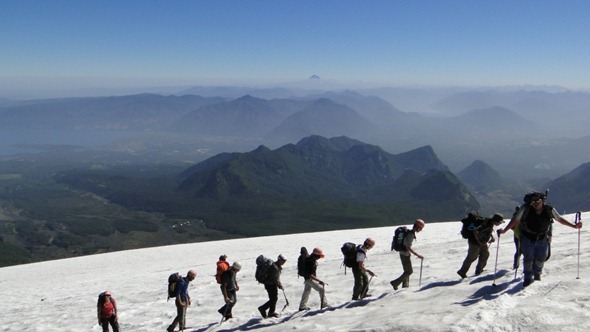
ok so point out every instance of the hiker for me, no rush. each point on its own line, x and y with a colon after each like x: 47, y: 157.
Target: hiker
x: 272, y: 286
x: 534, y: 223
x: 311, y: 280
x: 107, y: 311
x: 361, y: 280
x: 182, y: 301
x: 478, y: 239
x: 405, y: 255
x: 222, y: 266
x: 229, y: 287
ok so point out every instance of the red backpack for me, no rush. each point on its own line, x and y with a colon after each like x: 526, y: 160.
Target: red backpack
x: 222, y: 266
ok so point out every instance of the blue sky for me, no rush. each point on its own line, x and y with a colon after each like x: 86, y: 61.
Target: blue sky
x: 57, y: 43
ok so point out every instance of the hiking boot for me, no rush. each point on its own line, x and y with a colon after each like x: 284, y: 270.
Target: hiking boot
x: 393, y: 285
x: 462, y: 274
x: 367, y: 295
x: 304, y: 308
x: 262, y: 312
x: 478, y: 272
x: 355, y: 298
x: 274, y: 314
x: 170, y: 329
x: 527, y: 282
x: 537, y: 277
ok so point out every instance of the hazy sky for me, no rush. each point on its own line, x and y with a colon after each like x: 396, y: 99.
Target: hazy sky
x: 89, y: 43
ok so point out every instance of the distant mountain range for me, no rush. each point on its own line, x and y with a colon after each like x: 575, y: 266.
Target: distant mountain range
x: 343, y: 171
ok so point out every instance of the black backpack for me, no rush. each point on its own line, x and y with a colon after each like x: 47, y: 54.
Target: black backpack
x: 397, y: 243
x: 173, y: 280
x: 263, y: 265
x: 470, y: 224
x: 349, y: 251
x: 301, y: 262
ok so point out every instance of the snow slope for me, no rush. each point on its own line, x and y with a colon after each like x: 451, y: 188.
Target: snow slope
x: 61, y: 295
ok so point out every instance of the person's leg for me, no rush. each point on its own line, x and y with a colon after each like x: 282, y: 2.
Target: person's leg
x: 305, y: 295
x: 516, y: 262
x: 114, y: 324
x: 541, y: 252
x: 104, y: 324
x: 234, y: 299
x: 267, y: 304
x: 358, y: 283
x: 320, y: 289
x: 365, y: 284
x: 527, y: 247
x: 484, y: 254
x: 408, y: 270
x: 273, y: 294
x: 472, y: 254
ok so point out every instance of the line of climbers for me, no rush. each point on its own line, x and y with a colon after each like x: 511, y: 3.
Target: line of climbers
x: 531, y: 223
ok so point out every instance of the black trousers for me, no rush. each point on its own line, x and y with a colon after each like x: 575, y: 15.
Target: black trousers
x: 273, y: 296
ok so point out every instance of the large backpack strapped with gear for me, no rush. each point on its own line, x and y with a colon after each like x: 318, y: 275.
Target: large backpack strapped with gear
x: 263, y: 265
x: 173, y: 280
x: 349, y: 251
x: 397, y: 243
x: 222, y: 266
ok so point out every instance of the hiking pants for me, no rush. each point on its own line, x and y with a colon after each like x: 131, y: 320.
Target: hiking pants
x: 228, y: 306
x: 309, y: 284
x: 474, y: 252
x: 180, y: 316
x: 361, y: 283
x: 404, y: 279
x: 534, y: 254
x: 104, y: 322
x: 273, y: 296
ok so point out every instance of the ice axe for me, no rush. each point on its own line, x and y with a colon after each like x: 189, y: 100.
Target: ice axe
x: 286, y: 301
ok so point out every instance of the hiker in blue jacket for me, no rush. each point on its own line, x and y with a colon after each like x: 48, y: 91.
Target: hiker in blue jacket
x: 182, y: 301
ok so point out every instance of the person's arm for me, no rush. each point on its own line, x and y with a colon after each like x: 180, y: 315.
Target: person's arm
x: 99, y: 313
x: 514, y: 222
x: 115, y: 311
x: 564, y: 221
x: 411, y: 250
x: 364, y: 269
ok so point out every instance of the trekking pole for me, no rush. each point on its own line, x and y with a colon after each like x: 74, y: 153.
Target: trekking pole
x: 578, y: 220
x: 496, y: 266
x: 420, y: 280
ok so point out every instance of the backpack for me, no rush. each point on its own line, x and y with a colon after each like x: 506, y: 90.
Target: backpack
x: 222, y: 266
x: 349, y: 251
x: 173, y: 280
x: 301, y: 262
x: 397, y: 243
x: 263, y: 265
x: 470, y: 224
